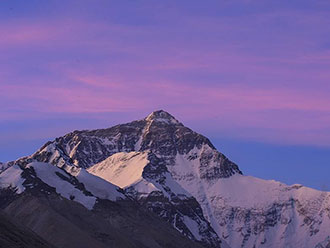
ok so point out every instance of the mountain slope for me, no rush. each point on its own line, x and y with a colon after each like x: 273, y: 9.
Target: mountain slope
x: 81, y: 210
x: 83, y: 187
x: 15, y: 235
x: 3, y: 166
x: 143, y: 178
x: 180, y: 176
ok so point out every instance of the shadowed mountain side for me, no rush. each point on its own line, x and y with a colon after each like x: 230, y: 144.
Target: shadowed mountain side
x: 66, y: 223
x: 15, y: 235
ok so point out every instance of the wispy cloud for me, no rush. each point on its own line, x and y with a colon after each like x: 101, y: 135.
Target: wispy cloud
x: 267, y: 70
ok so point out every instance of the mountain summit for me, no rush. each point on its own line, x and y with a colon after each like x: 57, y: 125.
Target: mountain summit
x: 159, y: 133
x: 162, y: 116
x: 180, y: 176
x: 139, y: 157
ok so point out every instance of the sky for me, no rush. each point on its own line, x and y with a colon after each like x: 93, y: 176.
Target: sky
x: 253, y: 76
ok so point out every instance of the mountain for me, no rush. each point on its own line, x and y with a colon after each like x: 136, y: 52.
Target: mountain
x: 80, y: 210
x: 83, y: 149
x: 180, y: 176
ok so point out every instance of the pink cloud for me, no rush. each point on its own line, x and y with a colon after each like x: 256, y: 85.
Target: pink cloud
x: 246, y: 107
x: 140, y: 82
x: 68, y: 100
x: 19, y: 33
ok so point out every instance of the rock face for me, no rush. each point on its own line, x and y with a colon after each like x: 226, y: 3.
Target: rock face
x: 179, y: 175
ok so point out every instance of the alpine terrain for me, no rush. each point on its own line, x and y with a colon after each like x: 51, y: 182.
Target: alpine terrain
x: 125, y: 181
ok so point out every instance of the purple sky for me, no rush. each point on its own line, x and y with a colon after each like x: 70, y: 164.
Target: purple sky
x: 254, y: 76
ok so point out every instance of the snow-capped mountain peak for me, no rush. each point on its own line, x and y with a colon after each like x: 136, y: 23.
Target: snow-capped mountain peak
x: 179, y: 175
x: 162, y: 116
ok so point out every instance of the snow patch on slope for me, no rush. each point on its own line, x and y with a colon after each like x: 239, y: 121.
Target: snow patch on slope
x: 60, y: 180
x: 48, y: 174
x: 144, y: 187
x: 3, y: 166
x: 258, y: 193
x: 122, y: 169
x: 161, y: 116
x: 99, y: 187
x: 192, y: 226
x: 11, y: 177
x: 126, y: 169
x: 138, y: 144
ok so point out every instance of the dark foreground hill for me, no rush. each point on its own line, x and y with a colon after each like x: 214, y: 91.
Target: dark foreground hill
x: 15, y: 235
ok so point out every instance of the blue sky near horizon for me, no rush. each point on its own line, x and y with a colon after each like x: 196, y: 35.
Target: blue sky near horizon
x: 253, y: 76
